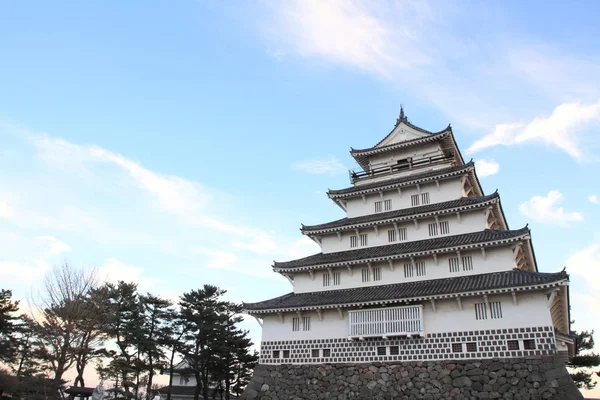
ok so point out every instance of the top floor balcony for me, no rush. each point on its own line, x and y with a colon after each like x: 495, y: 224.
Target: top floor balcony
x: 406, y: 164
x: 386, y: 322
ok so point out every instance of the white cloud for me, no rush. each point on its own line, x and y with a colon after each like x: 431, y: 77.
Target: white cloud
x: 594, y: 198
x: 323, y: 166
x: 260, y: 244
x: 546, y: 209
x: 41, y: 252
x: 5, y: 210
x: 561, y: 129
x: 113, y: 270
x: 55, y: 246
x: 353, y: 33
x: 486, y: 167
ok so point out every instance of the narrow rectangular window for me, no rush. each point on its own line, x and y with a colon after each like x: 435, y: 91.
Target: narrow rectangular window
x: 315, y: 353
x: 392, y: 235
x: 425, y: 198
x: 457, y: 347
x: 408, y: 270
x: 472, y: 347
x: 378, y: 206
x: 420, y: 267
x: 433, y: 229
x: 444, y: 228
x: 326, y: 352
x: 366, y: 275
x: 467, y: 263
x: 381, y: 351
x: 326, y: 279
x: 529, y: 344
x: 336, y: 278
x: 480, y: 311
x: 275, y: 353
x: 453, y: 264
x: 377, y: 274
x: 363, y: 239
x: 512, y: 344
x: 394, y: 350
x: 295, y: 324
x: 306, y: 323
x: 402, y: 234
x: 495, y: 310
x: 353, y: 241
x: 414, y: 200
x: 286, y: 354
x: 387, y: 205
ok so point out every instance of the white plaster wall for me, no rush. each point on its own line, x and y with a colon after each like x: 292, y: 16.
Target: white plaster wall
x: 470, y: 221
x: 496, y: 259
x: 531, y: 311
x: 450, y: 189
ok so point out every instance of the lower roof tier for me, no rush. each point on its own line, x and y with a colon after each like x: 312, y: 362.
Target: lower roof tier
x: 487, y: 237
x: 411, y: 291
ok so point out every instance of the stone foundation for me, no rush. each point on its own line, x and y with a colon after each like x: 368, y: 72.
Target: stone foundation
x: 539, y: 377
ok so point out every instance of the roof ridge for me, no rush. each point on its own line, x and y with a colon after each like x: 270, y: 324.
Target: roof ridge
x: 415, y: 210
x: 354, y: 151
x: 422, y: 175
x: 508, y: 234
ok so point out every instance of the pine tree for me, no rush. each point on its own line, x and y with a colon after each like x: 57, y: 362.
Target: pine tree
x: 584, y: 343
x: 8, y: 326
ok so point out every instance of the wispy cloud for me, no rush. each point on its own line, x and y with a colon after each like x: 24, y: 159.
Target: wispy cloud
x: 486, y: 167
x: 5, y: 210
x: 560, y: 129
x: 113, y: 270
x: 324, y: 166
x: 593, y: 198
x: 547, y: 210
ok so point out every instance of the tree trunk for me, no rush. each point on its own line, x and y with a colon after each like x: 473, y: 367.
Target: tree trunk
x: 171, y: 373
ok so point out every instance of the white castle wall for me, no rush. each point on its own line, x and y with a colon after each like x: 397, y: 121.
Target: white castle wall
x: 496, y: 259
x: 531, y: 310
x: 470, y: 221
x: 450, y: 189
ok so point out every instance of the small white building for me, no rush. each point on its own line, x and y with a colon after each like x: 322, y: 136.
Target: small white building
x: 423, y: 267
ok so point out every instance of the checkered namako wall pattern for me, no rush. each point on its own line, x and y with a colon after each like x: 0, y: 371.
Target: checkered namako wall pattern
x: 490, y: 343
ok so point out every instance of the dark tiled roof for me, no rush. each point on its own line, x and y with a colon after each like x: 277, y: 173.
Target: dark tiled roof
x: 409, y: 290
x: 399, y: 249
x: 181, y: 391
x: 404, y: 143
x: 429, y: 208
x: 401, y: 180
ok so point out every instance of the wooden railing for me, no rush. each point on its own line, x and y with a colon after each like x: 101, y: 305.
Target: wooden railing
x: 381, y: 322
x: 405, y: 164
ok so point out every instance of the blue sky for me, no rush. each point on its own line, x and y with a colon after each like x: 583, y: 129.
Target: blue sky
x: 183, y: 143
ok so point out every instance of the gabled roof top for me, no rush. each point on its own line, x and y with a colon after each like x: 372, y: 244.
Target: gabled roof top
x: 409, y: 291
x: 390, y: 216
x: 401, y: 181
x: 403, y: 250
x: 423, y: 136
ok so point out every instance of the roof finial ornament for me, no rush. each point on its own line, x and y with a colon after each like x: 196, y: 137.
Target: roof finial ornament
x: 402, y: 116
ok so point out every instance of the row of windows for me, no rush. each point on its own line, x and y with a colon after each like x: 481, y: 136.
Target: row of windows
x: 481, y: 312
x: 495, y: 308
x: 296, y: 324
x: 329, y: 278
x: 385, y: 205
x: 400, y: 234
x: 363, y: 240
x: 415, y: 200
x: 314, y: 353
x: 410, y: 270
x: 418, y: 199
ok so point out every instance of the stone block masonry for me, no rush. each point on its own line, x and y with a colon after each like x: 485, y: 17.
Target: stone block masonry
x: 536, y: 377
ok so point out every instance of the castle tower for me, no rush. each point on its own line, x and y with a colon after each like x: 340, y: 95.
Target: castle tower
x: 423, y: 268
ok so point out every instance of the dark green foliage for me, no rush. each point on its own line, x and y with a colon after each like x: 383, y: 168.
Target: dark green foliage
x: 584, y: 378
x: 8, y: 326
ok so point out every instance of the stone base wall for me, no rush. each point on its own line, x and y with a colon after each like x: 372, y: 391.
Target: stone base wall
x: 538, y: 377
